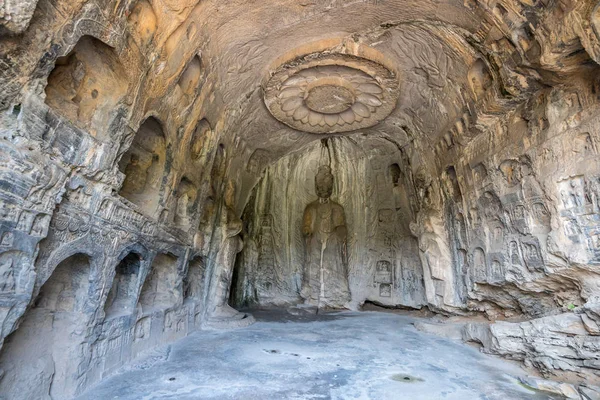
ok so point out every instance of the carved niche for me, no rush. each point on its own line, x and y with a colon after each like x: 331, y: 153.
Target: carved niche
x: 200, y: 142
x: 87, y: 86
x: 189, y: 82
x: 479, y: 269
x: 480, y: 79
x: 383, y: 272
x: 186, y: 200
x: 143, y: 165
x: 532, y: 254
x: 383, y: 278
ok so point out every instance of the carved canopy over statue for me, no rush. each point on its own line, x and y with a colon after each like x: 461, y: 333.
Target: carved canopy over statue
x: 325, y: 280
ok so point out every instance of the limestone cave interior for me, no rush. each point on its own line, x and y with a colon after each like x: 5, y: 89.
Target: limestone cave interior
x: 300, y: 199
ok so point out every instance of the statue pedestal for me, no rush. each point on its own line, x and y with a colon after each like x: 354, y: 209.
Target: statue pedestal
x: 303, y: 309
x: 229, y: 318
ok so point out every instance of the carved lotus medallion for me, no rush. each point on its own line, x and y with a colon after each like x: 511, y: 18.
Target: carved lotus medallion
x: 331, y: 93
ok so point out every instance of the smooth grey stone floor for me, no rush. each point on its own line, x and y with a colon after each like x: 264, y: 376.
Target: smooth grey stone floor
x: 343, y: 355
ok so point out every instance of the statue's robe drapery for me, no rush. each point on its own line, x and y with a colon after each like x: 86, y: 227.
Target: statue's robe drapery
x: 324, y: 229
x: 231, y: 244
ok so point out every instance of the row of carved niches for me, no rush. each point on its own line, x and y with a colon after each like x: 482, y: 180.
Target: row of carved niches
x: 330, y: 93
x: 162, y: 293
x: 144, y: 167
x: 162, y: 289
x: 52, y: 341
x: 87, y: 85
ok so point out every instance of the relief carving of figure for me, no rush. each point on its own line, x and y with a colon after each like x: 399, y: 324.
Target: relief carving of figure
x: 182, y: 209
x: 135, y: 176
x: 435, y: 253
x: 231, y: 245
x: 325, y: 281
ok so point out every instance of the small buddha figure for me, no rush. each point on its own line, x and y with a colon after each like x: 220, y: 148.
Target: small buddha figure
x: 325, y: 280
x: 135, y: 176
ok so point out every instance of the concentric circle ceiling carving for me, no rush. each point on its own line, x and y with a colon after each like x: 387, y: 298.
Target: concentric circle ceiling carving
x: 331, y: 93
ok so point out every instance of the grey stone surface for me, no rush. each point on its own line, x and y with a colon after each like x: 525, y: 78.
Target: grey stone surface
x: 330, y: 356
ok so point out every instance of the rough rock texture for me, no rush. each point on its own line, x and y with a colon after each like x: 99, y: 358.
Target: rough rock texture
x: 462, y: 136
x: 557, y: 346
x: 563, y: 347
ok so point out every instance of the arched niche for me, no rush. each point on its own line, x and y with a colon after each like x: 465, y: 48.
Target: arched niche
x: 400, y: 193
x: 208, y: 212
x: 13, y: 264
x: 395, y: 174
x: 87, y: 85
x: 193, y: 284
x: 37, y: 358
x: 452, y: 185
x: 186, y: 193
x: 123, y: 292
x: 143, y: 22
x: 479, y: 78
x: 479, y: 266
x: 144, y: 167
x: 67, y: 288
x: 583, y: 145
x: 190, y: 79
x: 200, y: 141
x: 258, y: 161
x: 162, y: 288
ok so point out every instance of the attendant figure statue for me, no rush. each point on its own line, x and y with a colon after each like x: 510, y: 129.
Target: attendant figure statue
x: 325, y: 280
x: 220, y: 313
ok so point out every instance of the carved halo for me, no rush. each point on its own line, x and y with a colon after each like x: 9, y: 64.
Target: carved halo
x: 331, y: 93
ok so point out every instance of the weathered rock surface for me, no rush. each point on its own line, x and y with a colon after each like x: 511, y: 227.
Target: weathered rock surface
x: 560, y: 347
x: 158, y: 156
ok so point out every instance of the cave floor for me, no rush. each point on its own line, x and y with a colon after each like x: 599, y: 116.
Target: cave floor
x: 343, y: 355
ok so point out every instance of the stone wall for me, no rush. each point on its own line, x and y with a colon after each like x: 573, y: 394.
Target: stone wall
x: 525, y: 219
x: 108, y: 159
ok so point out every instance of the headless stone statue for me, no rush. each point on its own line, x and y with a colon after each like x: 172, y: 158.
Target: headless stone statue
x: 325, y: 281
